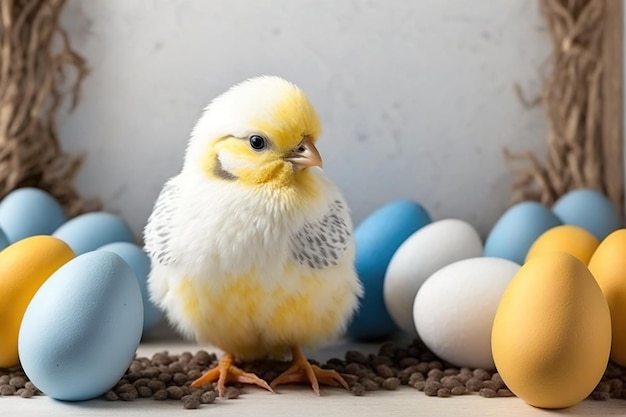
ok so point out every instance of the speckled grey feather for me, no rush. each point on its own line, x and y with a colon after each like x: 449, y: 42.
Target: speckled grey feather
x: 157, y: 233
x: 321, y: 244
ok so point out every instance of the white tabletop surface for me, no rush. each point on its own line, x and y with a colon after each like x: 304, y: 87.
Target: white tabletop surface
x: 300, y: 400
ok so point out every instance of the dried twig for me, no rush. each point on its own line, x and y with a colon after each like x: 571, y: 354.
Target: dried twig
x: 35, y: 56
x: 572, y: 101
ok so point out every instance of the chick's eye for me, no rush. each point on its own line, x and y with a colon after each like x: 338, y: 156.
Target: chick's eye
x: 257, y: 142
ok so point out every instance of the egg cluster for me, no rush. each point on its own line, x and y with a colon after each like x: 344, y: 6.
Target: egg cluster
x: 542, y: 300
x: 72, y: 292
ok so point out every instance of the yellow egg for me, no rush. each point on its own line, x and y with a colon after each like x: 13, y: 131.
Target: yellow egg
x: 566, y: 238
x: 551, y: 334
x: 608, y: 266
x: 24, y: 267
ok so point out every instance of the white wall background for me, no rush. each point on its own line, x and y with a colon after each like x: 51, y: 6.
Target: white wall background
x: 416, y: 96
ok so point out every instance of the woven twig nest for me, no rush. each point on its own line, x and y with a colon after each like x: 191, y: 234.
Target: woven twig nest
x: 573, y: 101
x: 36, y: 60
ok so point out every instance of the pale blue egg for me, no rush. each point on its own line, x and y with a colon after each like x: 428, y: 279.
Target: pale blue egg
x: 139, y: 261
x: 4, y: 241
x: 89, y: 231
x: 376, y: 240
x: 590, y: 210
x: 81, y: 330
x: 29, y: 211
x: 517, y: 229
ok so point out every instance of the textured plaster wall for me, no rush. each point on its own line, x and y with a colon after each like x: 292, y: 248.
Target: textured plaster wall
x: 416, y: 96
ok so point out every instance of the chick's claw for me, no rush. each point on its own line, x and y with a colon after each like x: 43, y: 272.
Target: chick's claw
x: 225, y: 372
x: 302, y: 371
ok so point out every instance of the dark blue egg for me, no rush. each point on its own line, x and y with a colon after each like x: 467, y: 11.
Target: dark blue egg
x: 377, y: 238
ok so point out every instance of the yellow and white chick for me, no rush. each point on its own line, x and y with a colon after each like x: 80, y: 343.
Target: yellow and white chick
x: 251, y: 244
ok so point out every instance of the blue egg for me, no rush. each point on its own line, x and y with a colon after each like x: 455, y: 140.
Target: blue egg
x: 517, y: 229
x: 140, y: 264
x: 89, y: 231
x: 376, y: 240
x: 81, y: 330
x: 4, y: 241
x: 590, y: 210
x: 29, y: 211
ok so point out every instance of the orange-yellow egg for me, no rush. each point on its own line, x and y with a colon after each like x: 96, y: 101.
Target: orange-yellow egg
x: 566, y: 238
x: 551, y: 334
x: 608, y: 266
x: 24, y: 267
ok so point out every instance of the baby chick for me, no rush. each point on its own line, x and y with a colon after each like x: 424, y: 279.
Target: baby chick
x: 251, y: 244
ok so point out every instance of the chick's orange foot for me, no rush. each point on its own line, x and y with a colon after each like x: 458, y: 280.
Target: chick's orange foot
x: 302, y: 371
x: 225, y: 372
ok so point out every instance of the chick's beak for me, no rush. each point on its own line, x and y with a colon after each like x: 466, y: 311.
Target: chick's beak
x: 305, y: 155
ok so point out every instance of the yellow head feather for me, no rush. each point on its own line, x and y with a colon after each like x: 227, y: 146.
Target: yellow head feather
x: 268, y: 106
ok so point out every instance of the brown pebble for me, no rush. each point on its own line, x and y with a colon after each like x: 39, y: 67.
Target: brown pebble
x: 491, y: 385
x: 481, y: 374
x: 355, y: 369
x: 150, y: 372
x: 29, y: 385
x: 136, y: 366
x: 208, y: 397
x: 203, y: 358
x: 416, y: 376
x: 127, y: 392
x: 443, y: 392
x: 435, y: 365
x: 4, y: 379
x: 231, y: 393
x: 603, y: 387
x: 497, y: 378
x: 185, y: 357
x: 156, y: 385
x: 144, y: 392
x: 161, y: 358
x: 431, y: 390
x: 354, y: 356
x: 419, y: 385
x: 474, y: 384
x: 165, y: 377
x: 391, y: 383
x: 25, y: 393
x: 385, y: 371
x: 180, y: 378
x: 111, y: 396
x: 175, y: 367
x: 141, y: 382
x: 600, y: 395
x: 133, y: 376
x: 369, y: 384
x: 190, y: 402
x: 7, y: 390
x: 357, y: 389
x: 174, y: 392
x: 487, y: 393
x: 459, y: 390
x: 160, y: 395
x: 407, y: 362
x: 423, y: 367
x: 450, y: 382
x: 194, y: 374
x: 505, y: 392
x: 17, y: 382
x: 617, y: 386
x: 435, y: 374
x: 450, y: 371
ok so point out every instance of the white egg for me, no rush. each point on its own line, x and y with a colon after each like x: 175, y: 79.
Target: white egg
x: 429, y: 249
x: 455, y: 307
